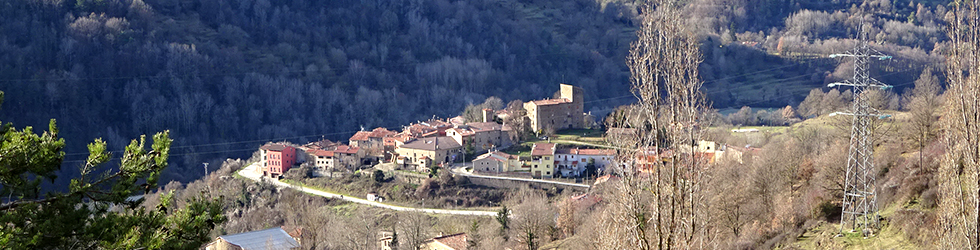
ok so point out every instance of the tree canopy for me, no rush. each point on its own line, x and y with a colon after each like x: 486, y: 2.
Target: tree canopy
x: 98, y: 210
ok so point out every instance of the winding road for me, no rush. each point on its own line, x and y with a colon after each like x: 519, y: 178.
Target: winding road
x: 250, y: 173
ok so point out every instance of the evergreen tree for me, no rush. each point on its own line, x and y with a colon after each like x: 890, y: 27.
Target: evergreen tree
x: 96, y: 211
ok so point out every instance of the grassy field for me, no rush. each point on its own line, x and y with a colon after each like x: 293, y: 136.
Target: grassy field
x: 573, y: 137
x: 825, y: 236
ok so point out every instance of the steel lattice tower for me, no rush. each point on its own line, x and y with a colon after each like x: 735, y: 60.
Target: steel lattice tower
x: 860, y: 207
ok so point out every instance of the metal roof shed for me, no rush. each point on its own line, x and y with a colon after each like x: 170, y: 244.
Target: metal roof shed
x: 272, y: 238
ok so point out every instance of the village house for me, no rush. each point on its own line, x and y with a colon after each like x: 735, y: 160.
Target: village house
x: 371, y: 142
x: 421, y: 153
x: 348, y: 157
x: 481, y: 137
x: 542, y: 160
x: 430, y: 128
x: 446, y: 242
x: 331, y: 156
x: 323, y: 160
x: 277, y: 158
x: 573, y: 162
x: 272, y: 238
x: 497, y: 162
x: 565, y: 112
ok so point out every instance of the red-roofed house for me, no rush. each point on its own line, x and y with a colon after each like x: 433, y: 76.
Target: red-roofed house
x: 348, y: 157
x: 323, y: 159
x: 277, y: 159
x: 446, y: 242
x: 573, y: 161
x: 371, y: 142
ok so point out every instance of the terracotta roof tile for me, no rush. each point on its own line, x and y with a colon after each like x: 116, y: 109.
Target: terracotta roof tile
x: 346, y: 149
x: 360, y: 136
x: 274, y: 147
x: 381, y: 133
x: 551, y: 101
x: 454, y: 241
x: 586, y: 151
x: 543, y: 149
x: 324, y: 153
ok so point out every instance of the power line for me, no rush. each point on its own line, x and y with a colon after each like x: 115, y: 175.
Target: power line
x: 231, y: 143
x: 714, y: 80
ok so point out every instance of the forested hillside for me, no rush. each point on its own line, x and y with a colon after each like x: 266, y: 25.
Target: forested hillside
x: 224, y: 71
x: 226, y: 75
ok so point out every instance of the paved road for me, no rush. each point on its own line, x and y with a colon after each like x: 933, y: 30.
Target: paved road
x: 460, y: 169
x: 249, y: 172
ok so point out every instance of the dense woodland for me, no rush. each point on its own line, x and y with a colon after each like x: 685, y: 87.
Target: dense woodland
x: 227, y: 75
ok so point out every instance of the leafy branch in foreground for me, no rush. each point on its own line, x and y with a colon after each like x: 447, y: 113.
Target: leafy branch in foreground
x: 97, y: 211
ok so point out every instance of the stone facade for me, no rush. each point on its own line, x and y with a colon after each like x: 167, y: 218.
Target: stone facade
x: 563, y: 113
x: 422, y: 152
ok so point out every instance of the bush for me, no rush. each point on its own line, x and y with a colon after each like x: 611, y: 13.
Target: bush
x: 379, y: 176
x: 826, y: 210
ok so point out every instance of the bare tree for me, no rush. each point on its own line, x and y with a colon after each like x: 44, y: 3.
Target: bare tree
x: 959, y: 206
x: 415, y: 229
x: 533, y: 216
x: 922, y: 103
x: 730, y: 196
x: 660, y: 202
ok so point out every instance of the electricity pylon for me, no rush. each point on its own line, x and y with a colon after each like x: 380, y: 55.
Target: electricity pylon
x: 860, y: 207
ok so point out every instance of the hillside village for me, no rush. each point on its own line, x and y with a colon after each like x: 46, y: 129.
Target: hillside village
x: 490, y: 146
x: 441, y: 143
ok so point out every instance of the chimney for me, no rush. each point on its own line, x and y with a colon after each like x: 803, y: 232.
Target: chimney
x: 487, y: 115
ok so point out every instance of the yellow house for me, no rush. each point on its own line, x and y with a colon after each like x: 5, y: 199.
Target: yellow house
x: 542, y: 160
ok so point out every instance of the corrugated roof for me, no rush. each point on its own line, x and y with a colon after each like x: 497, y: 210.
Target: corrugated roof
x: 272, y: 238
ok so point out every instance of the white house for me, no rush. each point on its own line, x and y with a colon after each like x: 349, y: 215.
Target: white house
x: 572, y: 162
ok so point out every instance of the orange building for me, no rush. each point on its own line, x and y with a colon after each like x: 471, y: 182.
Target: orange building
x: 277, y: 159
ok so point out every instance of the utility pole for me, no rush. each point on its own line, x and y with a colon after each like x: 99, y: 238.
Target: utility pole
x: 860, y: 206
x: 205, y: 169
